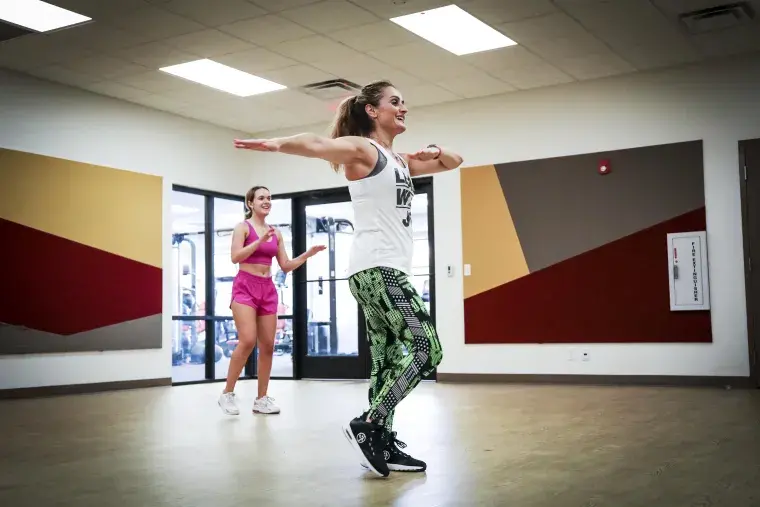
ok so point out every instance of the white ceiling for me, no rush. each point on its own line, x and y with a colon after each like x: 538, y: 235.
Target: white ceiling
x: 296, y: 42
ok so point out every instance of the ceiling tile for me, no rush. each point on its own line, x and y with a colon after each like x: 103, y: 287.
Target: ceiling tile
x: 101, y: 36
x: 387, y: 9
x: 213, y: 13
x: 154, y: 55
x: 595, y: 66
x: 297, y: 75
x: 38, y: 50
x: 425, y: 95
x: 553, y: 37
x: 164, y: 102
x: 728, y: 42
x: 105, y: 67
x: 209, y: 43
x: 115, y: 90
x: 374, y: 36
x: 328, y: 16
x: 266, y: 31
x: 424, y: 60
x: 361, y: 69
x: 475, y: 84
x: 622, y: 25
x: 505, y: 58
x: 255, y: 60
x: 281, y: 5
x: 501, y: 11
x: 533, y: 76
x: 63, y: 75
x: 100, y: 10
x: 314, y: 48
x: 153, y: 81
x: 156, y: 23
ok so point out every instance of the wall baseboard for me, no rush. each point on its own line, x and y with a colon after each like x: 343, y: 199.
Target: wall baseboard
x: 47, y: 391
x: 601, y: 380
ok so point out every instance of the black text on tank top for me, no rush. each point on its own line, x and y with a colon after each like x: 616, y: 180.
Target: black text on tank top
x: 404, y: 195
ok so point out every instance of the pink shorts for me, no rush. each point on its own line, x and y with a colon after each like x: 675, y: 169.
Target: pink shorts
x: 257, y: 292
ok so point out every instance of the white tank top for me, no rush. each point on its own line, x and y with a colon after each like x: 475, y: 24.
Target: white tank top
x: 382, y: 205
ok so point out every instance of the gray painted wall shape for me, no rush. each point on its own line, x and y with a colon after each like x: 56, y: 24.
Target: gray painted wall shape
x: 562, y: 207
x: 145, y: 333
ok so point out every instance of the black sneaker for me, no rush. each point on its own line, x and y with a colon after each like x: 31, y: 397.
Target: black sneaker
x: 397, y: 460
x: 367, y: 440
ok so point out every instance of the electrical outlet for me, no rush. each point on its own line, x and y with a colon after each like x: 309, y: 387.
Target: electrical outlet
x: 585, y: 356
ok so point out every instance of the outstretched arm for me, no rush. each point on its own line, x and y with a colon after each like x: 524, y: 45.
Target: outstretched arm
x: 346, y: 151
x: 431, y: 160
x: 287, y: 264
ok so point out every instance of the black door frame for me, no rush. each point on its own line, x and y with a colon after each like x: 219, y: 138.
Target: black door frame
x: 319, y: 367
x: 753, y: 327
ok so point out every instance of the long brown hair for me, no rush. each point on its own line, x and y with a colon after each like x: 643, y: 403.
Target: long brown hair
x: 249, y: 197
x: 351, y: 118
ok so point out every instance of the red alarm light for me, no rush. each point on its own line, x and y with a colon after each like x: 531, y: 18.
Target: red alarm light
x: 604, y: 167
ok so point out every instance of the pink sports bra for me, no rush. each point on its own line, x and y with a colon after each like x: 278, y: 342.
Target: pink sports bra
x: 264, y: 253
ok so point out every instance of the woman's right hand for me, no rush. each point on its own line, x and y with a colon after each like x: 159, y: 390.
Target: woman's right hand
x: 257, y: 144
x: 267, y: 236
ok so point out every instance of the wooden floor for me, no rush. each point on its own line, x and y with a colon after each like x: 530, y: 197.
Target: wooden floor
x: 486, y: 445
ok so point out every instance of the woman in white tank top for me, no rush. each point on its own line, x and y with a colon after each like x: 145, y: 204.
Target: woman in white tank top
x: 381, y: 187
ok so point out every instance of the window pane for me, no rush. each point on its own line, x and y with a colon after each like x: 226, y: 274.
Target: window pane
x: 188, y: 350
x: 421, y: 256
x: 188, y: 254
x: 332, y: 323
x: 226, y: 341
x: 227, y: 214
x: 422, y: 284
x: 282, y: 362
x: 325, y: 221
x: 280, y: 217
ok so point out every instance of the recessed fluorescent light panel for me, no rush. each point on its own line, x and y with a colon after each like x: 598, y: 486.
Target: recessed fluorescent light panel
x: 221, y: 77
x: 454, y: 30
x: 37, y: 15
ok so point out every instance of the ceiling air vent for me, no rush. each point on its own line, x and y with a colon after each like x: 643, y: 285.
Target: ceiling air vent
x: 332, y: 89
x: 719, y: 17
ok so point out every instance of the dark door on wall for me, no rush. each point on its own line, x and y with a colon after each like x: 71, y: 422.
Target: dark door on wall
x: 329, y: 327
x: 749, y: 152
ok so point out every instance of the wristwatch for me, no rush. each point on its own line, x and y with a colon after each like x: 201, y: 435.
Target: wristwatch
x: 436, y: 147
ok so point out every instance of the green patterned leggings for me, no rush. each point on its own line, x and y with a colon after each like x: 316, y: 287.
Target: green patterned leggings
x: 403, y: 342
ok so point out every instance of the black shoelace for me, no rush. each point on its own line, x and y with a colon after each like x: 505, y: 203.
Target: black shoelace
x: 393, y: 441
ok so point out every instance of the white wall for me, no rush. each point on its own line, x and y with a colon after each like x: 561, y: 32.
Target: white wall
x: 49, y: 119
x: 717, y: 103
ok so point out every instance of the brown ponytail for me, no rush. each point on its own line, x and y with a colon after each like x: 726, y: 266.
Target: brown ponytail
x: 351, y: 118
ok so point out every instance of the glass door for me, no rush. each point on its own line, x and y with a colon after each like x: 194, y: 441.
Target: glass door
x: 330, y: 324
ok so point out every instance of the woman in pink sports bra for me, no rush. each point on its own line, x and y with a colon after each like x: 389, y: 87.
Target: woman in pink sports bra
x: 254, y: 296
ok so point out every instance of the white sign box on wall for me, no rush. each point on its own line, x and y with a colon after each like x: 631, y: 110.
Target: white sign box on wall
x: 687, y: 270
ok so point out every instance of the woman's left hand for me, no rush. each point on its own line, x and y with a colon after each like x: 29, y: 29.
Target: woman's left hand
x: 425, y: 154
x: 315, y: 250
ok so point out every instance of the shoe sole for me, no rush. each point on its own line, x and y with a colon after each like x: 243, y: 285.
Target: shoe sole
x: 225, y: 412
x: 358, y: 450
x: 265, y: 413
x: 400, y: 468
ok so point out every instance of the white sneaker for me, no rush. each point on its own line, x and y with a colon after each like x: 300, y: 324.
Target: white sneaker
x: 228, y: 404
x: 265, y: 405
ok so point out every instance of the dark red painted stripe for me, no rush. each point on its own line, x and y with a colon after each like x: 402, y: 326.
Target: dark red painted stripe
x: 612, y: 294
x: 60, y: 286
